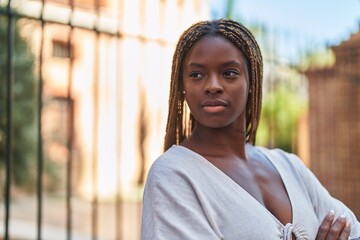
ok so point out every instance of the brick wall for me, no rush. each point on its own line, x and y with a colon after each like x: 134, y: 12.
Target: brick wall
x: 334, y: 119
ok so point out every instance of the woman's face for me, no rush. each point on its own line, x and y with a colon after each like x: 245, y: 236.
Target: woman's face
x: 215, y: 79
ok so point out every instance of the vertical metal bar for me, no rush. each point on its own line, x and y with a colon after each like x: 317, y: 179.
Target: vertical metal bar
x: 70, y: 130
x: 9, y: 110
x: 94, y: 215
x: 40, y: 159
x: 118, y: 200
x: 69, y: 142
x: 69, y: 168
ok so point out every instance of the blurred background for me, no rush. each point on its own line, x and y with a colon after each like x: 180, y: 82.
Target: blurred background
x: 83, y: 103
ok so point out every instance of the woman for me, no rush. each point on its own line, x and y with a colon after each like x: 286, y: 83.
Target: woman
x: 212, y: 182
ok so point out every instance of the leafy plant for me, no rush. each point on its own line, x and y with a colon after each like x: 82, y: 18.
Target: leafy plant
x: 24, y: 107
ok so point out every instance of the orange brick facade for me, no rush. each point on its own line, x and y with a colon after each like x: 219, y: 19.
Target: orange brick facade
x: 334, y: 119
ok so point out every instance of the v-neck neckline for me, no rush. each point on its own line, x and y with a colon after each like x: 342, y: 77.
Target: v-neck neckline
x: 233, y: 183
x: 285, y: 183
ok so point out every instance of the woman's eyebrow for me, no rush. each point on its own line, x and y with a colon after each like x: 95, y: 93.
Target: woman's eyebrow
x: 232, y: 63
x: 194, y: 64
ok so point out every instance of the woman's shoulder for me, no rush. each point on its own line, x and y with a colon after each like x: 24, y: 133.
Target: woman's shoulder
x: 283, y: 158
x: 174, y: 161
x: 171, y: 158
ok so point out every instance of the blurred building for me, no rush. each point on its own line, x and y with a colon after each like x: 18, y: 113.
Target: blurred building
x: 334, y: 118
x: 110, y: 71
x: 105, y: 66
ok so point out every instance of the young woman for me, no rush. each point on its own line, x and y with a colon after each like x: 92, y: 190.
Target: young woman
x: 212, y: 182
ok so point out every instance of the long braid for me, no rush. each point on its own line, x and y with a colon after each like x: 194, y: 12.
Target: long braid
x: 180, y: 123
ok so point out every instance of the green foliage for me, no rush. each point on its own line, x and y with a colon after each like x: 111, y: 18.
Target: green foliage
x: 279, y: 120
x: 24, y: 107
x: 316, y: 58
x: 230, y: 6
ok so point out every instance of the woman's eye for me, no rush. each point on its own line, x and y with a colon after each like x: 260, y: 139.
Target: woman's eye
x: 231, y: 73
x: 195, y: 75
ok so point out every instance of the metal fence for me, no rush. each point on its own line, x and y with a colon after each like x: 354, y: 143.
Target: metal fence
x: 11, y: 17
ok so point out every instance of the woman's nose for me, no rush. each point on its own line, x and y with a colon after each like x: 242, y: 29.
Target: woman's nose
x: 213, y: 86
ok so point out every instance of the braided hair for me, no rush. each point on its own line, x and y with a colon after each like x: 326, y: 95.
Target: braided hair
x: 180, y: 123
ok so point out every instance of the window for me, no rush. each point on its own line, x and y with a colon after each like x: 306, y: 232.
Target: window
x: 61, y: 49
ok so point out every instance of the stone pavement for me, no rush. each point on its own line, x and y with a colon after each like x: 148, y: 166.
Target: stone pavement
x: 23, y: 219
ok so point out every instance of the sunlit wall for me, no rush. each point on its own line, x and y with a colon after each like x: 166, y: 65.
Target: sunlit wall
x: 119, y: 85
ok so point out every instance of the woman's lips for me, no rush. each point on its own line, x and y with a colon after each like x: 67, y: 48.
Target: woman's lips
x: 213, y: 105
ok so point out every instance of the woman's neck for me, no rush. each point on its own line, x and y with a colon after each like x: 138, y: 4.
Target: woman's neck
x: 217, y: 142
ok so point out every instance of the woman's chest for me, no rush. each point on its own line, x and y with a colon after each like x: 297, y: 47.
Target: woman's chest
x: 238, y: 216
x: 235, y: 209
x: 262, y: 182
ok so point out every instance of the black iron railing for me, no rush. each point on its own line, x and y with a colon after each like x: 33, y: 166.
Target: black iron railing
x: 10, y: 14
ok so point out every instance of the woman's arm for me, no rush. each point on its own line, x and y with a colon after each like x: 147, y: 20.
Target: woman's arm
x: 323, y: 203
